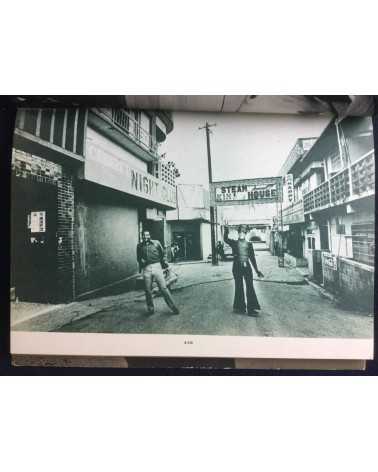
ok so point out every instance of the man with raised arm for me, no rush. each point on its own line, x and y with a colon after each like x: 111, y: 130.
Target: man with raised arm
x: 244, y: 255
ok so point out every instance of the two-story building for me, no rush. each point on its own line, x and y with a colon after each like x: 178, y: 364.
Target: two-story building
x: 331, y: 219
x: 103, y: 182
x: 189, y: 224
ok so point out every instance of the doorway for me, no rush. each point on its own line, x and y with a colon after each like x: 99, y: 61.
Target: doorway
x: 324, y: 237
x: 33, y: 243
x: 187, y: 246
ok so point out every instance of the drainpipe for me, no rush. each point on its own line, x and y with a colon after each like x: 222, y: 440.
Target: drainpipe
x: 339, y: 141
x: 177, y: 204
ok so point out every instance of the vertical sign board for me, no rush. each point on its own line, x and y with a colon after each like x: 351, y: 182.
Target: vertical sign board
x: 247, y: 191
x: 288, y: 188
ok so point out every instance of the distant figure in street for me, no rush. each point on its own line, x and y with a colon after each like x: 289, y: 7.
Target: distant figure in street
x: 152, y: 261
x: 174, y: 251
x: 220, y: 249
x: 244, y: 255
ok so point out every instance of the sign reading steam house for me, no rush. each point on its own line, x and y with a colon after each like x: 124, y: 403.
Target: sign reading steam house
x: 239, y: 192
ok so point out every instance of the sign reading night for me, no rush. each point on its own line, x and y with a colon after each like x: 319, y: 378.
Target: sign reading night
x: 236, y: 192
x: 111, y: 166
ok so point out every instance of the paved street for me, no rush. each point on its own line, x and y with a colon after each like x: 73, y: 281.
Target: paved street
x: 290, y: 307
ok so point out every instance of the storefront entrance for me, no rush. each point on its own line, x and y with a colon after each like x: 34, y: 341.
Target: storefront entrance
x: 34, y: 244
x: 188, y: 246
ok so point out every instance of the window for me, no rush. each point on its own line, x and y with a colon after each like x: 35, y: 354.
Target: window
x: 363, y: 242
x: 311, y: 243
x: 336, y: 164
x: 145, y: 129
x: 135, y: 124
x: 340, y: 227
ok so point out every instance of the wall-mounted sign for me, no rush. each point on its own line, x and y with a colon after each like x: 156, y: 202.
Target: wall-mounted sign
x: 288, y: 188
x: 154, y: 214
x: 330, y: 261
x: 238, y: 192
x: 110, y: 165
x: 37, y: 221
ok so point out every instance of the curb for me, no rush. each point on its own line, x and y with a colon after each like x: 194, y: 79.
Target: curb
x: 37, y: 313
x: 322, y: 290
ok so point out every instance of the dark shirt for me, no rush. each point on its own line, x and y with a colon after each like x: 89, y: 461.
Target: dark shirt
x: 242, y: 250
x: 150, y: 252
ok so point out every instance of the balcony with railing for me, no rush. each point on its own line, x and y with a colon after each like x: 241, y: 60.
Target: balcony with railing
x: 134, y: 130
x: 126, y: 129
x: 355, y: 181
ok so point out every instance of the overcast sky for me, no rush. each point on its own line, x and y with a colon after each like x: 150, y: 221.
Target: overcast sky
x: 242, y: 145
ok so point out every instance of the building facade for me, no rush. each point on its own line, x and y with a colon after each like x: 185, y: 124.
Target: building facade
x: 189, y: 224
x: 330, y: 222
x: 48, y: 150
x: 103, y: 182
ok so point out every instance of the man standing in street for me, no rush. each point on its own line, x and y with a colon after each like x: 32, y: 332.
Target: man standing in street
x: 244, y: 255
x: 152, y: 261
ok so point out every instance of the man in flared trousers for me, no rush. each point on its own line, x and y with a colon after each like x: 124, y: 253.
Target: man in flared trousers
x: 244, y: 255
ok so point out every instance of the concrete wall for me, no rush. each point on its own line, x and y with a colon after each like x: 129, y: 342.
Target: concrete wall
x: 192, y: 201
x: 105, y: 146
x: 310, y: 260
x: 106, y: 239
x: 356, y: 283
x: 352, y: 281
x: 330, y: 274
x: 341, y: 244
x: 248, y: 213
x: 205, y: 240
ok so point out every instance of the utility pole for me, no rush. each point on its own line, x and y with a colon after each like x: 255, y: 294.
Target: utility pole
x: 214, y: 256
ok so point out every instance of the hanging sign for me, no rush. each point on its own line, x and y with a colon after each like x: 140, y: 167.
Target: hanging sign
x: 238, y: 192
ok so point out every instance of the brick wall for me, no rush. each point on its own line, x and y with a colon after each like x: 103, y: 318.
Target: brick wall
x: 65, y: 235
x: 35, y: 168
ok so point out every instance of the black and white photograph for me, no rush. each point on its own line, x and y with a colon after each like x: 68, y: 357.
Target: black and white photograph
x: 148, y: 221
x: 189, y: 225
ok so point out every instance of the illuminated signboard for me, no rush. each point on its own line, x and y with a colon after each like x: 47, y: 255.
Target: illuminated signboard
x: 239, y: 192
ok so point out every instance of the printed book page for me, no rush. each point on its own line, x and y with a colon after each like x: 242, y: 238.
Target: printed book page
x: 192, y: 234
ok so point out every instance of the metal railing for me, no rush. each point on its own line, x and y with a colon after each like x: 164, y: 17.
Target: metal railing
x: 127, y: 122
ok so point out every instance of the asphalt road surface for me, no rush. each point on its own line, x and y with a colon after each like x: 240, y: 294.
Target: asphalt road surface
x: 290, y: 307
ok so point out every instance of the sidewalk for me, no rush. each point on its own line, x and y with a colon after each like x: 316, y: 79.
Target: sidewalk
x: 23, y: 311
